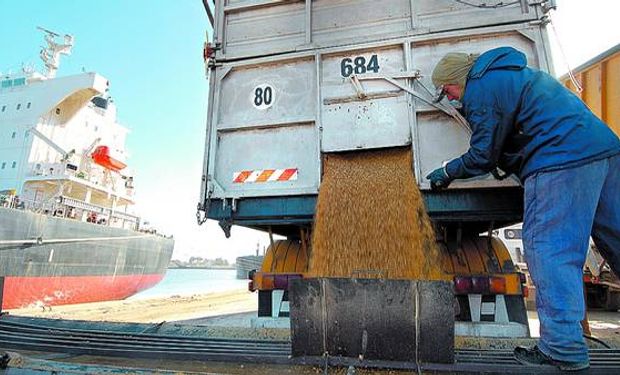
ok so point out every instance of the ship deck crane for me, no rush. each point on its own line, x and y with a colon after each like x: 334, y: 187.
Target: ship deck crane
x: 86, y: 154
x: 65, y: 154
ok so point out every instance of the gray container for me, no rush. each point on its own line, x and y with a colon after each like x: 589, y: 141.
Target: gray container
x: 251, y: 28
x: 282, y: 112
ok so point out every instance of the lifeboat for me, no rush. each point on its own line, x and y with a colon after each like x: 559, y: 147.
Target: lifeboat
x: 101, y: 156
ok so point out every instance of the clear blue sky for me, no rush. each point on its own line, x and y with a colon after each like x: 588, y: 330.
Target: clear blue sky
x: 151, y: 51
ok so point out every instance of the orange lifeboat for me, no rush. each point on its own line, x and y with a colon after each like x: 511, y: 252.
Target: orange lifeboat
x: 101, y: 156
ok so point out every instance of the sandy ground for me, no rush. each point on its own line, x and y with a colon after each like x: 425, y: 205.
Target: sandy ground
x: 153, y: 310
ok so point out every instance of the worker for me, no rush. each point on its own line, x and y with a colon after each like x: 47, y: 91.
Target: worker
x: 524, y: 121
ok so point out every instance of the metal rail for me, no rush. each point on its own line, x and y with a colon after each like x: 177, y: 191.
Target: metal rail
x: 100, y: 343
x: 41, y: 241
x: 15, y: 335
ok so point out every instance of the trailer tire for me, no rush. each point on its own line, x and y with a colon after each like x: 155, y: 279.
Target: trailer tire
x: 264, y: 303
x: 613, y: 301
x: 286, y: 256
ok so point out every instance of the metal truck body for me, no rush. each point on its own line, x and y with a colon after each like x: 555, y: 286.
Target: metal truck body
x: 292, y: 81
x: 250, y: 28
x: 278, y: 103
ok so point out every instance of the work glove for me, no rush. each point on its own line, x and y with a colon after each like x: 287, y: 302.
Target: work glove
x: 500, y: 174
x: 440, y: 179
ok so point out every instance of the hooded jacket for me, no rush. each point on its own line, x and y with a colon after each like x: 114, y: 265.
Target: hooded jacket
x: 524, y: 121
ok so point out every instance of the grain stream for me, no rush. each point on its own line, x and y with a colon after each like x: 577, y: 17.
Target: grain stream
x: 371, y: 220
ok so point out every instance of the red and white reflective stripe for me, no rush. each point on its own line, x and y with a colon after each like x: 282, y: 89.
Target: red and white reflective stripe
x: 265, y: 175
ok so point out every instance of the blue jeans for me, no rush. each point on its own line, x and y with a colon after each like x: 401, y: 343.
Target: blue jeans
x: 562, y: 210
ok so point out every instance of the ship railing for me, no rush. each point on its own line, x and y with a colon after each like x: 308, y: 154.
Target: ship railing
x: 96, y: 176
x: 66, y: 206
x: 15, y: 202
x: 35, y: 206
x: 49, y: 207
x: 43, y: 170
x: 76, y: 203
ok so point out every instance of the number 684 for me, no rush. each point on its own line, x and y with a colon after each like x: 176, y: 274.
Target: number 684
x: 358, y: 65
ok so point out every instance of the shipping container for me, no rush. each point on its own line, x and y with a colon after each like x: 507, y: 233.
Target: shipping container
x: 599, y: 79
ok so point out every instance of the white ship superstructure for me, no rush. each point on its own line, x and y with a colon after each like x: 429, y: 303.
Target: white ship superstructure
x: 62, y: 150
x: 66, y: 233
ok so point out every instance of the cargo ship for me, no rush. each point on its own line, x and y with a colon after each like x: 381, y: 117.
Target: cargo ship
x: 67, y: 230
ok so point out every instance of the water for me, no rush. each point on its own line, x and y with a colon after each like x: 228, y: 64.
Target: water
x: 185, y: 282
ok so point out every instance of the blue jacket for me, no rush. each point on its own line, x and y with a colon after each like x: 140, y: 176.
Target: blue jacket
x: 524, y: 121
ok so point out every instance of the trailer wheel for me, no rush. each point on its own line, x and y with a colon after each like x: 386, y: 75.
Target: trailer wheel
x: 597, y: 296
x: 264, y: 303
x: 284, y: 256
x: 613, y: 301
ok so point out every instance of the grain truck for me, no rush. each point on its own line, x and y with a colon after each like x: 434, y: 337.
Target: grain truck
x: 291, y: 82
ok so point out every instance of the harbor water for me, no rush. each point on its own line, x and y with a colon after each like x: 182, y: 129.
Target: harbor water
x: 185, y: 282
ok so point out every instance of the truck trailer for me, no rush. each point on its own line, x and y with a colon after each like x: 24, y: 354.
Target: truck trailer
x: 291, y: 82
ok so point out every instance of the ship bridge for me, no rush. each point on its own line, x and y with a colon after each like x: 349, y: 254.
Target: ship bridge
x: 62, y: 149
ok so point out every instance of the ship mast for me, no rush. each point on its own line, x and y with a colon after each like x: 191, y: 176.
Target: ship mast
x: 51, y: 54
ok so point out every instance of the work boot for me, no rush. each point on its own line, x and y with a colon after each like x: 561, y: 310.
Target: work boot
x: 534, y: 357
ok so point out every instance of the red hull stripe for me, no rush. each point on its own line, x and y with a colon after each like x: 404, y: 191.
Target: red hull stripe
x: 62, y: 290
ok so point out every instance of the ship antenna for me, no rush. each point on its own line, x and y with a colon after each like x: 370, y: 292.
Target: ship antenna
x: 51, y: 54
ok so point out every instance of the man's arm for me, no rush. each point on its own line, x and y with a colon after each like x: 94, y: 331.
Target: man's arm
x: 491, y: 128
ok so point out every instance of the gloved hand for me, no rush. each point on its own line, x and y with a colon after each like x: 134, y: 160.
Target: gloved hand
x: 500, y: 174
x: 439, y: 179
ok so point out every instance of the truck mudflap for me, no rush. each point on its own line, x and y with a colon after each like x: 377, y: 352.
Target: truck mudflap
x: 375, y: 319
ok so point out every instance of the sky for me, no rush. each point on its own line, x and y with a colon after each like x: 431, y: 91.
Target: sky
x: 151, y: 52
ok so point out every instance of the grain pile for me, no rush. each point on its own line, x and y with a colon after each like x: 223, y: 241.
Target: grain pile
x: 371, y: 221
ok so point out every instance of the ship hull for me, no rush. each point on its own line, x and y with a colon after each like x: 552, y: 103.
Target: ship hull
x: 46, y: 261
